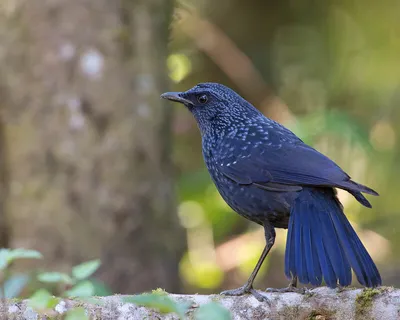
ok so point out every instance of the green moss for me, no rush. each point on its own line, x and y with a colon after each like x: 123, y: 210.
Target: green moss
x: 216, y: 297
x: 364, y: 301
x: 159, y: 291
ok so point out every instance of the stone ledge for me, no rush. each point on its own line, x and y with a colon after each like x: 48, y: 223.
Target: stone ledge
x: 320, y: 303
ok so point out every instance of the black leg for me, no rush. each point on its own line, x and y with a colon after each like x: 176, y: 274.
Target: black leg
x: 248, y: 286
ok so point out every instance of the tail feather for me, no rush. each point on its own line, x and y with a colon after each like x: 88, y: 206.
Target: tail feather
x: 339, y: 260
x: 321, y: 243
x: 351, y: 185
x: 355, y: 189
x: 311, y: 255
x: 368, y: 274
x: 323, y: 258
x: 290, y: 263
x: 299, y: 255
x: 360, y: 198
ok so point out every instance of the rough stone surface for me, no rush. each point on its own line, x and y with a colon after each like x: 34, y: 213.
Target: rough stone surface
x: 320, y: 303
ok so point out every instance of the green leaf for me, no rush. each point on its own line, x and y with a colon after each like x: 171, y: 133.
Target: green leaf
x: 25, y: 254
x: 4, y: 254
x: 161, y: 302
x: 7, y: 256
x: 55, y: 277
x: 42, y: 299
x: 86, y: 269
x: 213, y: 311
x: 91, y: 300
x: 78, y: 313
x: 14, y: 285
x: 82, y: 289
x: 100, y: 288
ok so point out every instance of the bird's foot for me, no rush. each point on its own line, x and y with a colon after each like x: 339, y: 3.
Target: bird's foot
x: 340, y: 288
x: 245, y: 290
x: 288, y: 289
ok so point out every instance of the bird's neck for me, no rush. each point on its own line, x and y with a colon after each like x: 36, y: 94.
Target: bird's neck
x: 212, y: 136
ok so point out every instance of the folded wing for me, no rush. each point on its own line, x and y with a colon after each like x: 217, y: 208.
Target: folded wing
x: 288, y: 168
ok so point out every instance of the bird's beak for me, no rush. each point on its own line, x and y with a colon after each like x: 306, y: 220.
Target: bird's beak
x: 176, y: 96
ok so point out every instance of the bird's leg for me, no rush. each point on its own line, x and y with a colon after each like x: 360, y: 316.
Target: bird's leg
x: 292, y: 287
x: 248, y: 286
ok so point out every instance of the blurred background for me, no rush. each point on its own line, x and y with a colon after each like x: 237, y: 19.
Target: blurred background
x: 94, y: 165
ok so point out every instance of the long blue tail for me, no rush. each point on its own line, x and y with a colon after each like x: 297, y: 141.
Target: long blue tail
x: 322, y: 244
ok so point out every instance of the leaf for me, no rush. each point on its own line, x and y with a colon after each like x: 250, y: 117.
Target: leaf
x: 82, y: 289
x: 55, y: 277
x: 7, y: 256
x: 4, y: 254
x: 91, y: 300
x: 25, y: 254
x: 100, y: 288
x: 42, y: 299
x: 14, y: 285
x: 86, y: 269
x: 161, y: 302
x: 78, y: 313
x: 213, y: 311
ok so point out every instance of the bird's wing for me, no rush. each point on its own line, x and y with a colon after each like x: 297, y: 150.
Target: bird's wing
x: 286, y: 164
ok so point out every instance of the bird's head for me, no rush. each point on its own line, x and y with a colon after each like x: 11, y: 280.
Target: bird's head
x: 214, y: 105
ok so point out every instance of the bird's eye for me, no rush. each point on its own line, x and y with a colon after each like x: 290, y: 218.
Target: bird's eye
x: 202, y: 98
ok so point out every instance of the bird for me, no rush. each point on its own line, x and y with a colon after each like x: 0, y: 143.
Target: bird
x: 268, y: 175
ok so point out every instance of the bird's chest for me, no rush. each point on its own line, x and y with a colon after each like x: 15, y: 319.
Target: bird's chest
x: 228, y: 189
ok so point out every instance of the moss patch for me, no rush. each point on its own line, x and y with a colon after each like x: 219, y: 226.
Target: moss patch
x: 364, y: 301
x: 159, y: 291
x: 216, y: 297
x: 308, y: 294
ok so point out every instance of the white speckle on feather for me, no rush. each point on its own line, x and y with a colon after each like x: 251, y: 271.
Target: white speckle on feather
x: 92, y: 64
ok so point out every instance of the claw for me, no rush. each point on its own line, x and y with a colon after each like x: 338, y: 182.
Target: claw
x: 245, y: 290
x: 288, y: 289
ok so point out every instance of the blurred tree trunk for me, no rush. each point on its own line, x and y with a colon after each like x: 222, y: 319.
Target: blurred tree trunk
x: 89, y: 138
x: 4, y: 183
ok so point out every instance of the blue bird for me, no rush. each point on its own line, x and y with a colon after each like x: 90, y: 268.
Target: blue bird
x: 268, y: 175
